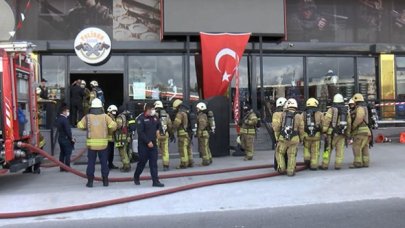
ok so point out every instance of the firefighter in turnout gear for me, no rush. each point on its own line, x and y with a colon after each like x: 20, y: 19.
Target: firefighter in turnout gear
x: 361, y: 133
x: 112, y: 113
x: 248, y: 131
x: 122, y: 140
x: 181, y: 125
x: 276, y: 121
x: 86, y: 98
x: 97, y: 124
x: 312, y: 136
x: 165, y: 133
x: 96, y: 92
x: 336, y: 125
x: 204, y: 124
x: 291, y: 132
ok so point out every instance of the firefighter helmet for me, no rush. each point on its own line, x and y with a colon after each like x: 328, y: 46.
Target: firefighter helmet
x: 177, y: 103
x: 96, y: 103
x: 351, y: 101
x: 38, y: 90
x: 158, y: 104
x: 358, y: 97
x: 94, y: 83
x: 292, y: 103
x: 112, y: 108
x: 83, y: 82
x: 338, y: 98
x: 280, y: 102
x: 312, y: 102
x: 201, y: 106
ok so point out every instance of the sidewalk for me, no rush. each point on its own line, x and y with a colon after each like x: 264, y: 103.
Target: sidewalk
x: 384, y: 179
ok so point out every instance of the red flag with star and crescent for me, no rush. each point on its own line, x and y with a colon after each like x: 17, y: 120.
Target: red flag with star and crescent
x: 221, y: 54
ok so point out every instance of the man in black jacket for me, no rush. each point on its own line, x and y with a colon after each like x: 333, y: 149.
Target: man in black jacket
x: 76, y: 97
x: 148, y: 126
x: 65, y: 139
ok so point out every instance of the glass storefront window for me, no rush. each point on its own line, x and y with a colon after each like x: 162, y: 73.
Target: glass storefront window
x: 114, y: 63
x: 367, y: 78
x: 155, y: 77
x: 328, y: 76
x: 54, y: 71
x: 400, y: 109
x: 282, y: 77
x: 194, y: 93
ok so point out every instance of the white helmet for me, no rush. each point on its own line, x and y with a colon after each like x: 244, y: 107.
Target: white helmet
x: 83, y: 82
x: 201, y: 106
x: 158, y: 104
x: 112, y: 108
x: 338, y: 98
x: 96, y: 103
x: 94, y: 83
x: 38, y: 90
x: 280, y: 102
x: 292, y: 103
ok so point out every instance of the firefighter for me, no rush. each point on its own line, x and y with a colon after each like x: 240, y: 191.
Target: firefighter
x: 248, y: 131
x: 312, y: 136
x: 290, y: 129
x: 204, y: 127
x: 97, y: 124
x: 112, y: 113
x: 165, y: 133
x: 148, y: 126
x: 86, y: 97
x: 277, y: 115
x: 181, y: 125
x: 360, y: 133
x: 122, y: 139
x: 336, y: 126
x: 97, y: 92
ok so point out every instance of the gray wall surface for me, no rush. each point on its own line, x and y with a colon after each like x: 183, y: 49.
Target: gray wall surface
x: 261, y: 17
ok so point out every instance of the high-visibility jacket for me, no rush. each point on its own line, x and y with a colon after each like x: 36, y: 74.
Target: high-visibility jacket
x: 180, y: 123
x: 332, y: 119
x: 249, y: 124
x: 276, y: 121
x: 202, y: 125
x: 97, y: 127
x: 360, y: 122
x: 111, y: 133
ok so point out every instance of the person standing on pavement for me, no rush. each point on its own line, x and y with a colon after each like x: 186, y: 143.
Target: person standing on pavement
x: 76, y: 98
x: 122, y: 140
x: 112, y: 113
x: 336, y: 124
x: 313, y: 132
x: 65, y: 138
x: 181, y: 125
x: 148, y: 126
x: 165, y: 133
x: 248, y: 131
x: 203, y: 129
x: 97, y: 124
x: 291, y: 131
x: 361, y: 133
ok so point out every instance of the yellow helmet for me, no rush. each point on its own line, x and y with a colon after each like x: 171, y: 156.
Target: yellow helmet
x: 358, y: 97
x: 177, y: 103
x: 312, y: 102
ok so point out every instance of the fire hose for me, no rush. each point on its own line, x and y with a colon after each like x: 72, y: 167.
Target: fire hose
x: 73, y: 159
x: 134, y: 197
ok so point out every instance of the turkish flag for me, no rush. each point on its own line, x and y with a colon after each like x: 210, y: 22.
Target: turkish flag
x: 221, y: 54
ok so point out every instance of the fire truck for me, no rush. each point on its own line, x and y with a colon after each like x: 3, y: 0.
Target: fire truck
x: 18, y: 106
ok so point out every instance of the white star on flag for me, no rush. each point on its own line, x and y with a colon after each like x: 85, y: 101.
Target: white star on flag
x: 226, y: 76
x: 22, y: 17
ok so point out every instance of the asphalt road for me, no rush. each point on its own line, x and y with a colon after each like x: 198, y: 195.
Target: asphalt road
x: 368, y: 214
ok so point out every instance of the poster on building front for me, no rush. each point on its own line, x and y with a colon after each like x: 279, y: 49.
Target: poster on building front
x: 139, y: 90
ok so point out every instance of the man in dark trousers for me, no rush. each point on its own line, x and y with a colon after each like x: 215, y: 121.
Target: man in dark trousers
x: 65, y: 139
x: 148, y: 126
x: 76, y: 98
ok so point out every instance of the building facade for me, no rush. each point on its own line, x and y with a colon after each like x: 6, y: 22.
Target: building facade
x: 312, y: 48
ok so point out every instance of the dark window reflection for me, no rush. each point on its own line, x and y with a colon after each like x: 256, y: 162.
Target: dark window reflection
x: 54, y: 71
x: 328, y: 76
x: 367, y: 78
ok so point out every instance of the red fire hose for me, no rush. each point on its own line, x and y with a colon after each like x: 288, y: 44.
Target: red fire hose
x: 135, y: 197
x: 73, y: 159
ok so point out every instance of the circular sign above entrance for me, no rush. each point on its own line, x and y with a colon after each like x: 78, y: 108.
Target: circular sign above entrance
x: 92, y: 45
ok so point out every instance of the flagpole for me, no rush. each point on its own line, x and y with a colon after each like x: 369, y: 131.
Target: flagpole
x: 261, y: 70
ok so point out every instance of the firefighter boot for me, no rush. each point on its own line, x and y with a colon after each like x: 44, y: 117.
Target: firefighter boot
x: 89, y: 182
x: 105, y: 181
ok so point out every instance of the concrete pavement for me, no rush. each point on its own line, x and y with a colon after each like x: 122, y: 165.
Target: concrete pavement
x: 385, y: 179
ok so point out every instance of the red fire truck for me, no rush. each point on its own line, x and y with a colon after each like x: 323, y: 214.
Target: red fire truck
x: 18, y: 106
